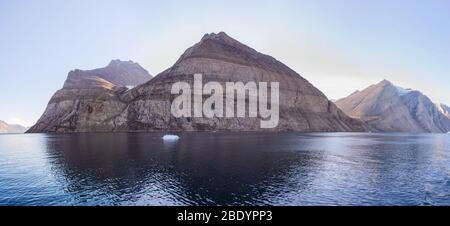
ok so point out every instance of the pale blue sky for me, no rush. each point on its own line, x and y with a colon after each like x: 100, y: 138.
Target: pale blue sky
x: 339, y: 46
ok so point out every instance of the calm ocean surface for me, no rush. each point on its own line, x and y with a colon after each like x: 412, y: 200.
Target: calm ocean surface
x: 225, y: 169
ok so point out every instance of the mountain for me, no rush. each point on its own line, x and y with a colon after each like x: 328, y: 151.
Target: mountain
x: 9, y: 128
x: 218, y: 58
x: 389, y: 108
x: 88, y: 98
x: 444, y: 109
x: 118, y: 73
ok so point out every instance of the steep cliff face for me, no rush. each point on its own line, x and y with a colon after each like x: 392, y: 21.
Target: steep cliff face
x: 11, y: 128
x: 90, y: 100
x: 221, y: 59
x: 390, y: 108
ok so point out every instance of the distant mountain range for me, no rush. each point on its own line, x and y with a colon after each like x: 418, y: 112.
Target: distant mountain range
x: 390, y: 108
x: 93, y: 101
x: 11, y: 128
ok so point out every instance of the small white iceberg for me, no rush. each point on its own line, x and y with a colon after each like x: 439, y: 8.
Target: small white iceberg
x: 170, y: 138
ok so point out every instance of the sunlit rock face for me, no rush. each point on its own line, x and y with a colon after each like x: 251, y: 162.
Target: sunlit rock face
x: 389, y: 108
x: 218, y: 58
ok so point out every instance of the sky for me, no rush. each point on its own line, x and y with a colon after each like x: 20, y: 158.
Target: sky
x: 339, y: 46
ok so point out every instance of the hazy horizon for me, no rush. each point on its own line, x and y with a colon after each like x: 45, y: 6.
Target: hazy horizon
x: 338, y: 47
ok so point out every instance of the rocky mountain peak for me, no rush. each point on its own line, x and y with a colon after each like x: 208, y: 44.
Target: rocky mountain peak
x: 219, y: 44
x: 124, y: 64
x: 224, y: 39
x: 400, y: 91
x: 89, y: 97
x: 391, y: 108
x: 221, y: 47
x: 116, y: 73
x: 385, y: 82
x: 219, y: 36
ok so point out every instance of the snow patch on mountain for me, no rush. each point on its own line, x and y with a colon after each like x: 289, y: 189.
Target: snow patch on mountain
x: 443, y: 109
x: 402, y: 91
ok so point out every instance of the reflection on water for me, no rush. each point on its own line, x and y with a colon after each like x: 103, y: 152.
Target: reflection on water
x: 225, y: 169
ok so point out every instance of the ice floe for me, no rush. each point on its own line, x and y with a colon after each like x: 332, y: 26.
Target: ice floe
x: 170, y: 137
